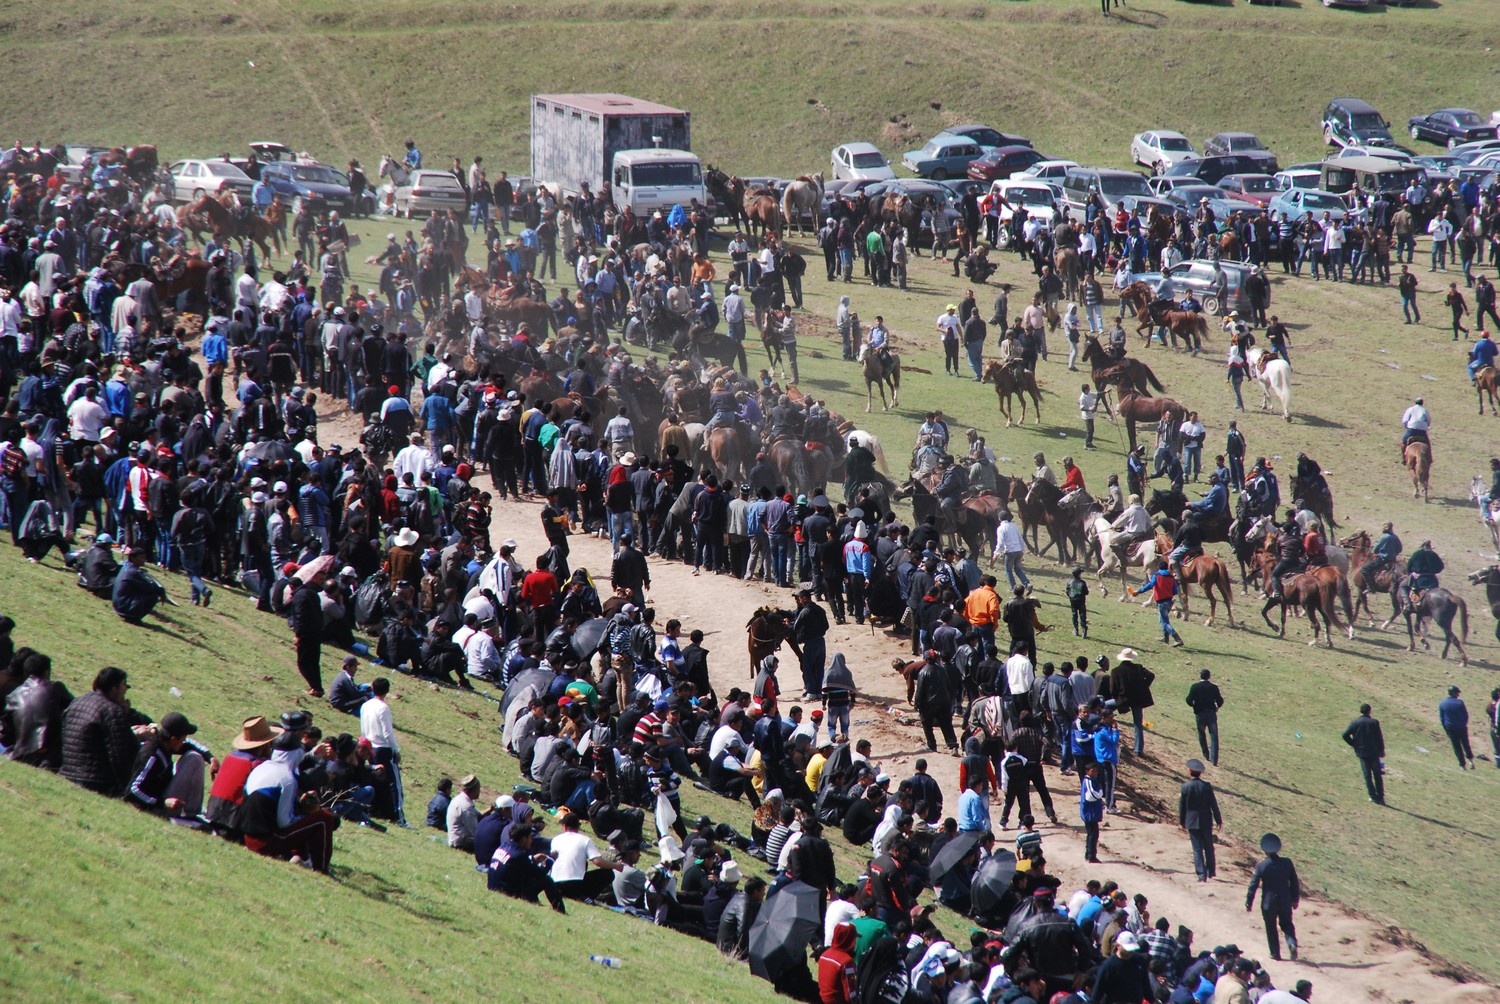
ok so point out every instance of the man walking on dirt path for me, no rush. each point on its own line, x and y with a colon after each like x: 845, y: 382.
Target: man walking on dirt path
x: 1198, y: 814
x: 1280, y: 894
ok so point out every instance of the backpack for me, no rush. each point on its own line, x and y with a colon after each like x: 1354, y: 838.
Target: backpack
x: 369, y: 600
x: 13, y: 461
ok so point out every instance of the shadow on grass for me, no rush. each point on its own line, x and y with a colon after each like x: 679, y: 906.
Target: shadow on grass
x: 1318, y: 422
x: 373, y: 886
x: 1438, y: 822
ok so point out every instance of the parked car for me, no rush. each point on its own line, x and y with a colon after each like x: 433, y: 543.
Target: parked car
x: 1145, y: 204
x: 1256, y: 188
x: 1388, y: 152
x: 1161, y: 184
x: 1469, y: 152
x: 1045, y: 170
x: 1223, y: 143
x: 1197, y: 275
x: 1299, y: 176
x: 1451, y: 127
x: 1002, y: 162
x: 985, y: 136
x: 961, y: 187
x: 1037, y: 197
x: 317, y: 186
x: 1352, y: 122
x: 1188, y: 198
x: 77, y: 153
x: 942, y: 157
x: 1111, y: 185
x: 931, y: 194
x: 193, y: 179
x: 1346, y: 3
x: 429, y: 192
x: 1160, y: 149
x: 860, y: 162
x: 1210, y: 169
x: 1300, y: 201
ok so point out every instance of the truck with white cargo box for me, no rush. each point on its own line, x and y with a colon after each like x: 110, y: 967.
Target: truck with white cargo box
x: 642, y: 149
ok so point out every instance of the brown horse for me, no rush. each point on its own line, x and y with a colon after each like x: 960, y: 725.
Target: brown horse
x: 1133, y: 408
x: 881, y: 369
x: 763, y: 213
x: 1418, y: 460
x: 1487, y: 381
x: 1126, y: 374
x: 728, y: 450
x: 1065, y: 261
x: 766, y: 630
x: 1314, y: 595
x: 1387, y: 580
x: 1205, y: 570
x: 802, y: 468
x: 219, y: 216
x: 1009, y: 383
x: 518, y: 310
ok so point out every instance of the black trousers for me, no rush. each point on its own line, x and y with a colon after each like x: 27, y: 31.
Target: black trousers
x: 1374, y: 781
x: 944, y: 721
x: 1282, y: 917
x: 309, y: 661
x: 1203, y: 851
x: 591, y: 886
x: 1460, y: 740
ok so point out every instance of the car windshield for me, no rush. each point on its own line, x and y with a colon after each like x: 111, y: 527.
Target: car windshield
x: 1117, y: 186
x: 1265, y: 184
x: 1192, y: 193
x: 435, y: 179
x: 666, y: 174
x: 1239, y: 143
x: 1468, y: 119
x: 1029, y: 196
x: 1176, y: 144
x: 984, y: 137
x: 219, y: 169
x: 317, y: 174
x: 1368, y: 120
x: 1321, y: 200
x: 869, y: 160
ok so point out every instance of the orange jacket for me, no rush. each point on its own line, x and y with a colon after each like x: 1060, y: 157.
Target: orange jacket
x: 982, y: 607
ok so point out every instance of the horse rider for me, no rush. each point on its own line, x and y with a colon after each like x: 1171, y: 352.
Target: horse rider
x: 1133, y: 525
x: 1311, y: 481
x: 983, y: 477
x: 1314, y: 547
x: 1116, y: 346
x: 722, y: 404
x: 859, y: 469
x: 1072, y: 482
x: 1213, y: 507
x: 952, y: 483
x: 877, y: 340
x: 1264, y: 489
x: 1114, y: 500
x: 1135, y: 469
x: 787, y: 420
x: 1383, y: 554
x: 1494, y: 492
x: 1043, y: 472
x: 1416, y: 420
x: 1422, y: 570
x: 1189, y: 303
x: 1013, y: 354
x: 819, y: 429
x: 1289, y: 555
x: 1482, y: 354
x: 1187, y: 542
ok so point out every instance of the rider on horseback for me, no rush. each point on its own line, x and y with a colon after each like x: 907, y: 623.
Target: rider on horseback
x: 1134, y: 526
x: 877, y: 341
x: 953, y: 481
x: 722, y: 403
x: 1383, y: 554
x: 1289, y: 553
x: 1117, y: 339
x: 1416, y: 420
x: 859, y: 469
x: 1187, y: 542
x: 1422, y: 570
x: 1265, y: 491
x: 1314, y: 548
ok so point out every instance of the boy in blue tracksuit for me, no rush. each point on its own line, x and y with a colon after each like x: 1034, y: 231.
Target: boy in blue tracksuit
x: 1107, y: 755
x: 1081, y: 741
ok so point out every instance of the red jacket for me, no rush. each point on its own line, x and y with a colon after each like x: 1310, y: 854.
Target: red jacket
x: 836, y: 971
x: 539, y: 588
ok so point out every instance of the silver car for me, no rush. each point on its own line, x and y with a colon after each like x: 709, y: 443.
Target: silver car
x: 429, y: 192
x: 1197, y: 275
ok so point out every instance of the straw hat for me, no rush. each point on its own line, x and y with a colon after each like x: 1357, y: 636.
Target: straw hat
x: 254, y: 733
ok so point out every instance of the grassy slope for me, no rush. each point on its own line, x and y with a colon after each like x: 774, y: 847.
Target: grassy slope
x: 103, y: 902
x: 1284, y: 767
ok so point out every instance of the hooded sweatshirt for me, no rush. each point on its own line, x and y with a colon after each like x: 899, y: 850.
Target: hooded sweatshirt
x: 836, y: 971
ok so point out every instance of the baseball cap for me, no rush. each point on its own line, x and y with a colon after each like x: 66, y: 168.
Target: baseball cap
x: 1127, y: 941
x: 175, y: 725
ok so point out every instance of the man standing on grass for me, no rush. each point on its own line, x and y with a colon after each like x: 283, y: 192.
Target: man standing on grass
x: 1406, y: 285
x: 1363, y: 734
x: 1205, y: 698
x: 376, y: 727
x: 1453, y: 715
x: 1280, y: 894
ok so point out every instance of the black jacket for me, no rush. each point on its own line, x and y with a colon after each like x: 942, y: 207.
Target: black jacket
x: 1276, y: 877
x: 1364, y: 735
x: 1198, y: 806
x: 306, y: 616
x: 1204, y: 697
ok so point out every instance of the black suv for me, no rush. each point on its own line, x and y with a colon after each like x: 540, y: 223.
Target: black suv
x: 1352, y: 122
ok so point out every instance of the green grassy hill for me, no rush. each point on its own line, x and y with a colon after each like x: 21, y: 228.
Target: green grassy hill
x: 103, y: 902
x: 772, y: 86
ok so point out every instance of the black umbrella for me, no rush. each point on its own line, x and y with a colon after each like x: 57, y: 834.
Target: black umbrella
x: 589, y: 636
x: 951, y: 853
x: 787, y: 923
x: 538, y: 680
x: 992, y: 880
x: 270, y: 451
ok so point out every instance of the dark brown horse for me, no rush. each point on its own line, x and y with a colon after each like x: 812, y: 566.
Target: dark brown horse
x: 1126, y: 374
x: 762, y: 213
x: 1036, y: 503
x: 765, y: 631
x: 1314, y: 595
x: 802, y: 469
x: 1009, y: 382
x: 976, y: 518
x: 1133, y: 408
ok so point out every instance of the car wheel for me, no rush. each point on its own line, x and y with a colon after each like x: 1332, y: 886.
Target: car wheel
x: 198, y: 193
x: 1211, y: 305
x: 1416, y: 133
x: 1328, y: 136
x: 1452, y: 142
x: 940, y: 175
x: 1002, y: 239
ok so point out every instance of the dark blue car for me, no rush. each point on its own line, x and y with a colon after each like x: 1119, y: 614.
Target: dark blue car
x: 321, y: 187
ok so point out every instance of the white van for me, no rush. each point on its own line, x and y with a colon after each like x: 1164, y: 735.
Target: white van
x: 647, y: 180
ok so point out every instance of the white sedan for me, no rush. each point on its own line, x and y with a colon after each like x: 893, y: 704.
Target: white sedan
x: 193, y: 179
x: 1037, y: 197
x: 429, y: 192
x: 1160, y: 149
x: 861, y: 162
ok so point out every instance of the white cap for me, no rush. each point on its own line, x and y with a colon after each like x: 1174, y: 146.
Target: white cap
x: 257, y: 482
x: 505, y: 802
x: 1127, y: 941
x: 259, y: 498
x: 279, y: 487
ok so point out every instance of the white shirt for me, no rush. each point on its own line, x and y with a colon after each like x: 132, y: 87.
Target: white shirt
x: 948, y: 324
x: 375, y: 724
x: 1416, y: 417
x: 463, y: 818
x: 273, y: 295
x: 480, y: 652
x: 120, y: 314
x: 1086, y: 245
x: 411, y: 460
x: 1440, y: 229
x: 248, y: 291
x: 1019, y: 673
x: 725, y: 737
x: 572, y: 852
x: 10, y: 317
x: 840, y: 911
x: 1008, y: 539
x: 85, y: 419
x: 474, y: 306
x: 1135, y: 519
x: 1088, y: 403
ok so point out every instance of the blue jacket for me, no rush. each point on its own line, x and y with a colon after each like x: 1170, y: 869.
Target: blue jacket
x: 1453, y: 713
x: 1216, y: 502
x: 438, y: 412
x: 858, y: 559
x: 1107, y: 745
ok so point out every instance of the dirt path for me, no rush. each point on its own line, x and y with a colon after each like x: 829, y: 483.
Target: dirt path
x: 1347, y: 956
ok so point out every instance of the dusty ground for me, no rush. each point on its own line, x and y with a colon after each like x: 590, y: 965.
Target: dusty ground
x: 1347, y: 956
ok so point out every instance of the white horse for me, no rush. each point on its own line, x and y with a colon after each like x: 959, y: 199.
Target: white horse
x: 871, y: 442
x: 395, y: 170
x: 1276, y: 379
x: 805, y: 195
x: 1143, y: 554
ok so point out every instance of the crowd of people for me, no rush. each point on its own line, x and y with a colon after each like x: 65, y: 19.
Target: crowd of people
x: 119, y: 434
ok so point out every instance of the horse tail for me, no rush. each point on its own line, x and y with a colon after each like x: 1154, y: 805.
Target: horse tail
x: 786, y: 201
x: 1156, y: 384
x: 1463, y: 617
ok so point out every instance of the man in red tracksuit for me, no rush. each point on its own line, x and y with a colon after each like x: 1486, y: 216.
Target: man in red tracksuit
x: 836, y: 971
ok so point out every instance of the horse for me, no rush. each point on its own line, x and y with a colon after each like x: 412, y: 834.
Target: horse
x: 1206, y: 570
x: 725, y: 447
x: 871, y: 442
x: 1137, y: 299
x: 1065, y: 262
x: 1064, y: 525
x: 720, y: 186
x: 1188, y: 325
x: 1314, y: 595
x: 1490, y: 577
x: 1418, y: 460
x: 1487, y: 381
x: 1126, y: 374
x: 1009, y: 383
x: 1144, y: 555
x: 802, y: 469
x: 1133, y: 408
x: 762, y: 213
x: 881, y: 369
x: 699, y: 344
x: 802, y: 196
x: 1274, y: 377
x: 1387, y: 580
x: 395, y: 170
x: 1441, y: 606
x: 765, y: 631
x: 973, y: 524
